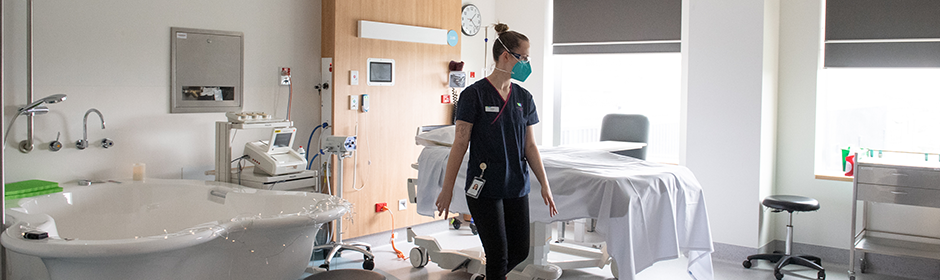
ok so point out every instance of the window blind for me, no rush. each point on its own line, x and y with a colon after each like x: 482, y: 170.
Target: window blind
x: 882, y: 33
x: 616, y: 26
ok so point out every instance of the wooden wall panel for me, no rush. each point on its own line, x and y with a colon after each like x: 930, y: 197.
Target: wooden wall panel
x: 386, y: 133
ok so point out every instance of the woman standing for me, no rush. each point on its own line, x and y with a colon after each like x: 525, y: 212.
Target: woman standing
x: 495, y: 119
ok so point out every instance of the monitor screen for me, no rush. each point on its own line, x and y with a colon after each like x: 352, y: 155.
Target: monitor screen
x: 380, y: 72
x: 282, y: 140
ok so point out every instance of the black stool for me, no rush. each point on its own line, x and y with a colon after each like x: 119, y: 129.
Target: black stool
x: 347, y: 274
x: 790, y: 203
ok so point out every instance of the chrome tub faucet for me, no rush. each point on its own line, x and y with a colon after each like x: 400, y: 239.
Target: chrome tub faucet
x: 83, y: 143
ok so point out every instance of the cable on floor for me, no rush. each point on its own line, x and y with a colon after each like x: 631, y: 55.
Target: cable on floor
x: 392, y: 239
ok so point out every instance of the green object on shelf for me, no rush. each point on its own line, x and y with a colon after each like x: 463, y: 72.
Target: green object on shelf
x: 845, y: 153
x: 36, y: 193
x: 30, y: 188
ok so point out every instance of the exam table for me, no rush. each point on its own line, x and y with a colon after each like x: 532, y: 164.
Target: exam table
x: 646, y: 212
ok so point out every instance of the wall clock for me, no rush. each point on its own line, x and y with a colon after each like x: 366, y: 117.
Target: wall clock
x: 470, y: 20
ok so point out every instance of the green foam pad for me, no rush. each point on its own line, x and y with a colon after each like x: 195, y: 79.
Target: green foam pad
x: 29, y: 186
x: 35, y: 193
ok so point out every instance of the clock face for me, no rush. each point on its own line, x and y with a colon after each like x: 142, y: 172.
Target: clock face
x: 470, y: 20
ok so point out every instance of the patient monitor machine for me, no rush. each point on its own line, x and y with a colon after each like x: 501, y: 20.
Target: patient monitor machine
x: 275, y: 156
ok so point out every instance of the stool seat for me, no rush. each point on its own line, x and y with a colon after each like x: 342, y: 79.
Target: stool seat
x: 357, y: 274
x: 791, y: 203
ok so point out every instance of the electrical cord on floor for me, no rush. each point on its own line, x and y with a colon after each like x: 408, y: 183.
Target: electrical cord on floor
x: 397, y: 252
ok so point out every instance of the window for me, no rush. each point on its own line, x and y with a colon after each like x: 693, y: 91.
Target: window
x: 882, y: 109
x: 879, y: 87
x: 594, y: 85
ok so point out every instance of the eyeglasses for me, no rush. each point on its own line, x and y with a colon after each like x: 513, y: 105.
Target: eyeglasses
x: 519, y: 56
x: 516, y: 55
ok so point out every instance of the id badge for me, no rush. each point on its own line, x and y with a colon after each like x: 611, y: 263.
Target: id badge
x: 476, y: 187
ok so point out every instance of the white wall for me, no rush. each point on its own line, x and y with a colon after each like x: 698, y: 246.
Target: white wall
x: 768, y: 127
x: 799, y: 48
x: 533, y: 18
x: 114, y: 56
x: 474, y: 51
x: 725, y: 109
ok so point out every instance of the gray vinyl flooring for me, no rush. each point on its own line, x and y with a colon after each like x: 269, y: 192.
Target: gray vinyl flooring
x: 393, y: 268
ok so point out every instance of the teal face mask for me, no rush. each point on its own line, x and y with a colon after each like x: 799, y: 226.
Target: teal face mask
x: 522, y: 70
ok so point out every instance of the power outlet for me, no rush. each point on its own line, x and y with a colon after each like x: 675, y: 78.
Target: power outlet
x: 379, y: 206
x: 285, y: 76
x: 402, y: 204
x: 354, y: 102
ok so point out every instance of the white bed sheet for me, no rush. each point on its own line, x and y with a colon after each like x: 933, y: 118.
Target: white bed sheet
x: 647, y: 212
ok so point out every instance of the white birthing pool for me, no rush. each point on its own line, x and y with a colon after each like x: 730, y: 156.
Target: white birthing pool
x: 171, y: 229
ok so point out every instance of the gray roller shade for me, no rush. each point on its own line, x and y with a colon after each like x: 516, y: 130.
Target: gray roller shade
x: 882, y: 33
x: 616, y: 26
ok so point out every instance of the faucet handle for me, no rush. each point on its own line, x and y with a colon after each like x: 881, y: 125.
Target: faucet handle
x: 81, y: 144
x: 106, y: 143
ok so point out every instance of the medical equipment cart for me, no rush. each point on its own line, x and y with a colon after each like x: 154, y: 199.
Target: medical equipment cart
x: 879, y: 180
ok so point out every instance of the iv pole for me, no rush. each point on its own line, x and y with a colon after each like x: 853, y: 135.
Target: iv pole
x: 338, y: 245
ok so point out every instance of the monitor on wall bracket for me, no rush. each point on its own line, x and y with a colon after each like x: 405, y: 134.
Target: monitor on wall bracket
x: 381, y: 72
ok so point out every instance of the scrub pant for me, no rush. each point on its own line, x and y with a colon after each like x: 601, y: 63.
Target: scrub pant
x: 503, y: 226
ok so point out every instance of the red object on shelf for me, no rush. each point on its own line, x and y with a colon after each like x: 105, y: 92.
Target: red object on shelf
x: 850, y: 165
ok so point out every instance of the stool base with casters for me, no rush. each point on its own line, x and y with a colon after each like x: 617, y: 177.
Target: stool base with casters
x: 368, y: 260
x: 789, y: 203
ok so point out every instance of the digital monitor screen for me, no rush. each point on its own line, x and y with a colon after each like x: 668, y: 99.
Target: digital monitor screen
x: 380, y: 72
x: 282, y: 140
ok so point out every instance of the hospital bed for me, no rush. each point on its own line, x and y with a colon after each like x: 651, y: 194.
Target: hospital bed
x: 647, y: 212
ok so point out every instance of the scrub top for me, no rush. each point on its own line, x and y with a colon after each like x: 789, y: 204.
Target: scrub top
x: 498, y: 137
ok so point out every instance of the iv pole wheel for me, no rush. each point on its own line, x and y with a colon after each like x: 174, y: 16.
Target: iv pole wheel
x: 25, y: 146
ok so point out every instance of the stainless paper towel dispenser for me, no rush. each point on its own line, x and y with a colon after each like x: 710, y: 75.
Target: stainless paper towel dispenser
x: 206, y: 70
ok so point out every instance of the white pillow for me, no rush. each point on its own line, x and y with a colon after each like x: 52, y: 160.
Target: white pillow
x: 438, y: 137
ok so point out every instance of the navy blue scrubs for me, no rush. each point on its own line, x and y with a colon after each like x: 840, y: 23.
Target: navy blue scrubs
x: 501, y: 212
x: 498, y: 137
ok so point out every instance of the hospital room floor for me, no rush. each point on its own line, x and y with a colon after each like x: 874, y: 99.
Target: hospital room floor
x: 393, y: 268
